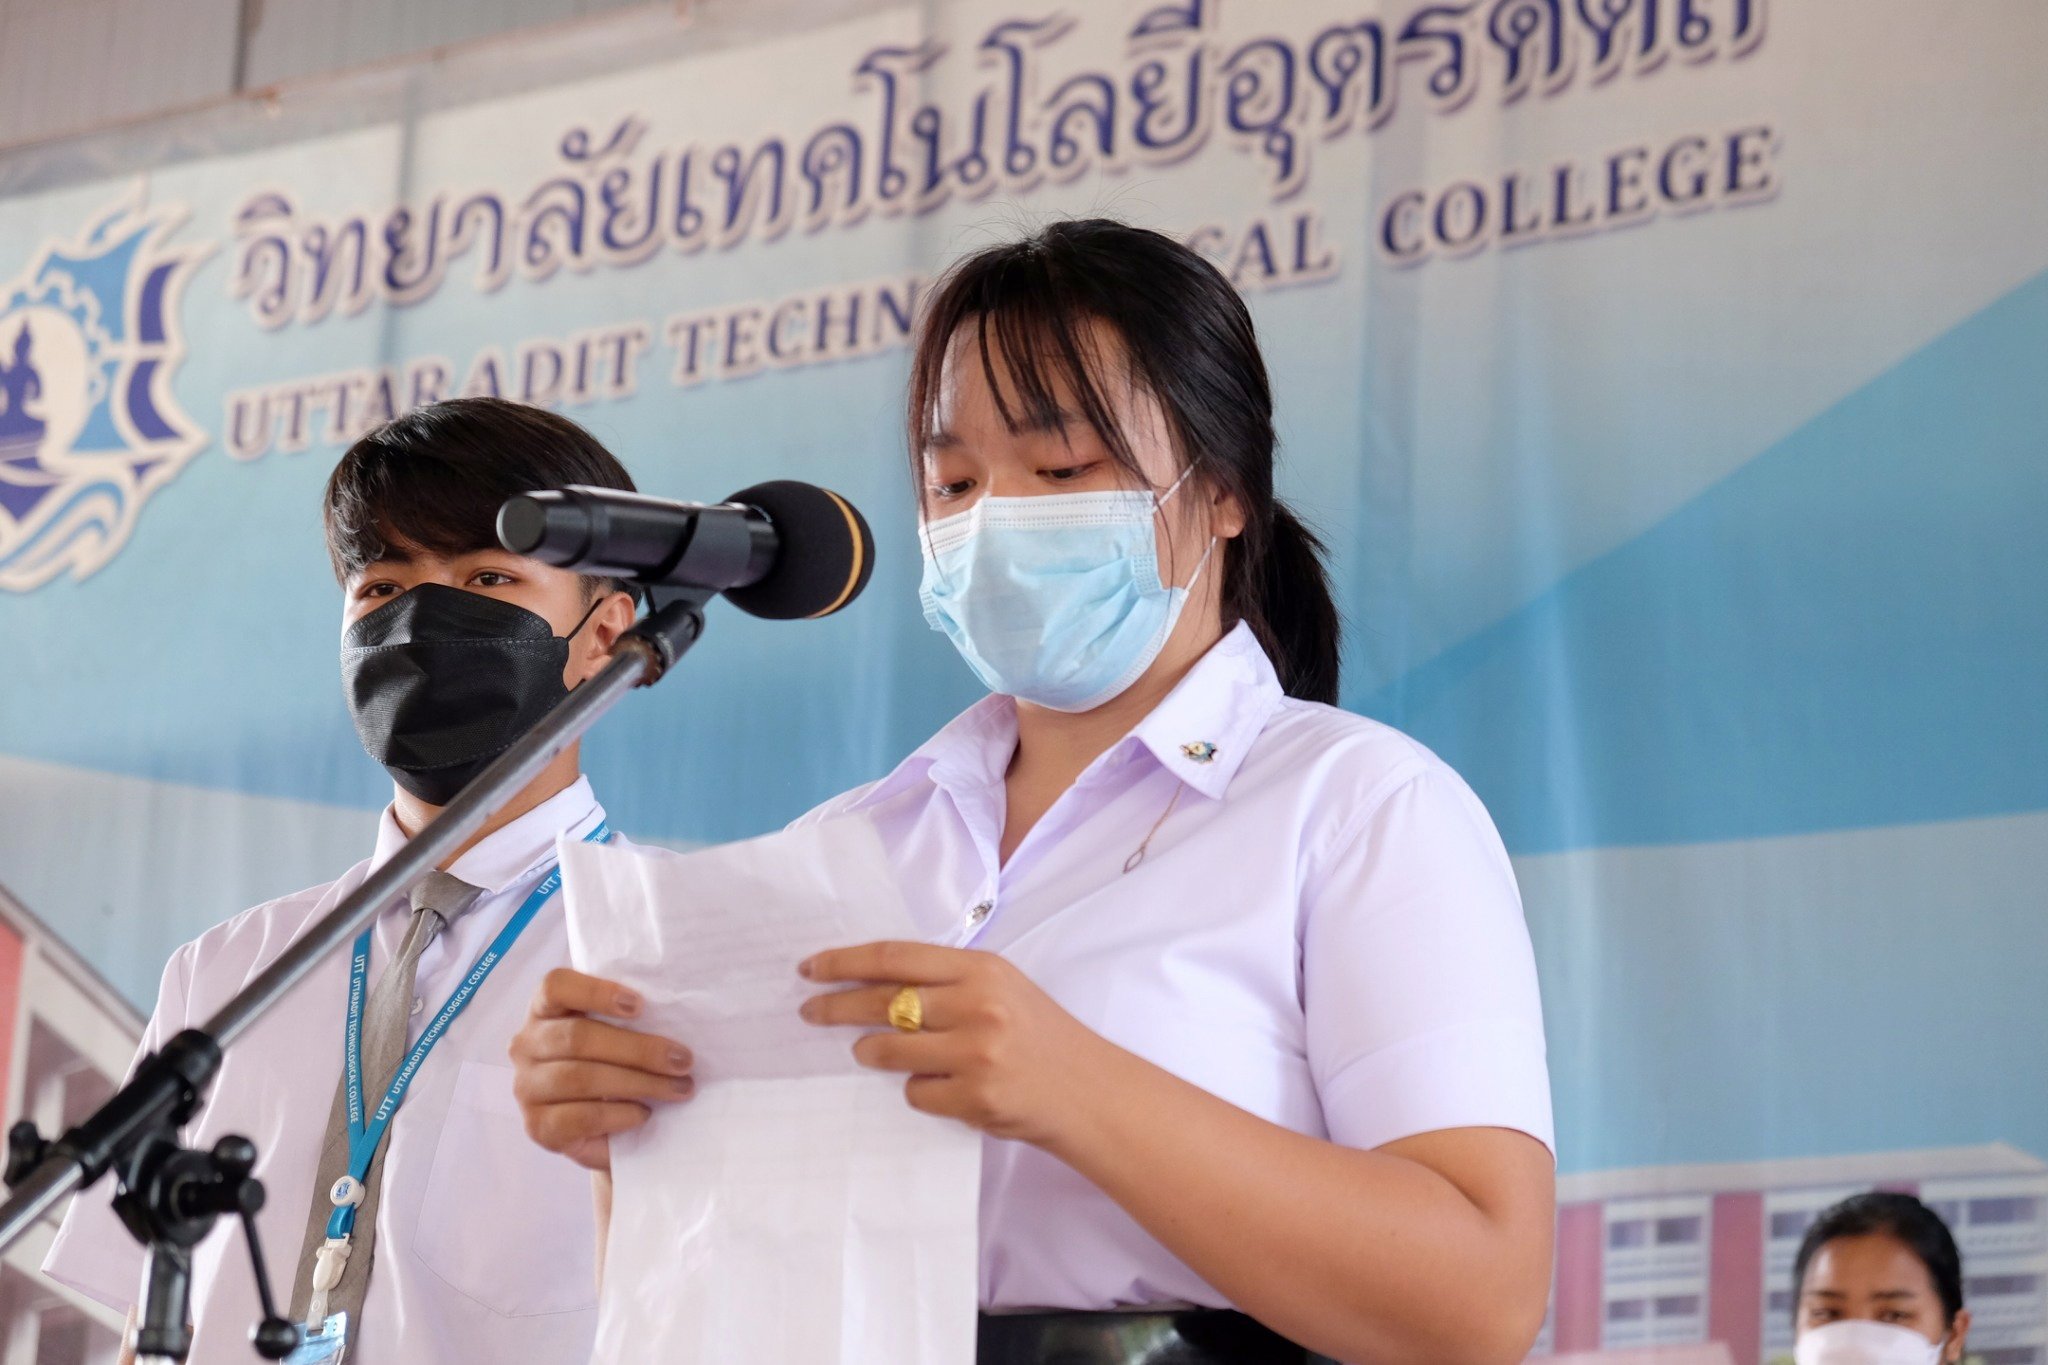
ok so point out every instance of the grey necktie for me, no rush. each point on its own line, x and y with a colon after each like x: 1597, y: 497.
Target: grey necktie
x: 436, y: 901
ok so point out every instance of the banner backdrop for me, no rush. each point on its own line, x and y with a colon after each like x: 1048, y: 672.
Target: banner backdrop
x: 1665, y: 375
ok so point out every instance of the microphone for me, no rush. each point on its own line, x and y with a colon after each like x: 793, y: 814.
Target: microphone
x: 783, y: 550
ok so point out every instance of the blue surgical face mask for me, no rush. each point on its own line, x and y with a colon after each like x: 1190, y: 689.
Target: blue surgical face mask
x: 1055, y: 600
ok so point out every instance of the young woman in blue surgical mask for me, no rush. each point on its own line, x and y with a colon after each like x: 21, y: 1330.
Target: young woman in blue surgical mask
x: 1878, y: 1281
x: 1235, y: 983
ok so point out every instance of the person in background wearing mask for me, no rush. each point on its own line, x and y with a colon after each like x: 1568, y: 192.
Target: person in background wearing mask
x: 1878, y: 1281
x: 442, y: 1235
x: 1235, y: 982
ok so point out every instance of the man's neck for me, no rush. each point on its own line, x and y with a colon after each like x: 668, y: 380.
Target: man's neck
x: 561, y: 773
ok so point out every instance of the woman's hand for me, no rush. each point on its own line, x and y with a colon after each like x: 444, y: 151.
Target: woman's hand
x: 578, y: 1080
x: 995, y: 1051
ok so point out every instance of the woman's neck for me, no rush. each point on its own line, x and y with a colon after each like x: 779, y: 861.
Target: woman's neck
x: 1055, y: 747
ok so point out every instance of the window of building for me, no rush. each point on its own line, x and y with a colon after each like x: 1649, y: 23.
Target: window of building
x: 2013, y: 1209
x: 1628, y: 1232
x: 37, y: 1330
x: 1678, y: 1305
x: 1789, y: 1224
x: 1984, y: 1286
x: 1678, y: 1231
x: 1779, y: 1304
x: 2008, y: 1355
x: 60, y: 1087
x: 1627, y: 1310
x: 64, y: 1336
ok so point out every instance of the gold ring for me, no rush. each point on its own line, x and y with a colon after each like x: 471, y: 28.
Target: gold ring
x: 906, y: 1010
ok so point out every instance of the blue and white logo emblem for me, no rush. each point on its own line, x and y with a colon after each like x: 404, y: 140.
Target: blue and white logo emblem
x: 89, y: 429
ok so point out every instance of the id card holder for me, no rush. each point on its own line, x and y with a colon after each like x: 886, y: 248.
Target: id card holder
x: 326, y: 1346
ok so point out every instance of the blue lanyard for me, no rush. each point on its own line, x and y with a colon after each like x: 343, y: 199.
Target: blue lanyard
x: 364, y: 1137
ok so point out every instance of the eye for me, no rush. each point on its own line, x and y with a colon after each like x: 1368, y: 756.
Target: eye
x: 491, y: 578
x: 379, y: 589
x: 1821, y: 1314
x: 1069, y: 473
x: 947, y: 492
x: 1895, y: 1315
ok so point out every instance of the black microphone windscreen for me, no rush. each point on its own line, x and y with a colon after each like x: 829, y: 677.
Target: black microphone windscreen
x: 826, y: 552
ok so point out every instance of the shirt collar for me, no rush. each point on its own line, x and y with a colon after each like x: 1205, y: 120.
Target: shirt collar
x: 507, y: 856
x: 1203, y: 729
x: 970, y: 750
x: 1200, y: 731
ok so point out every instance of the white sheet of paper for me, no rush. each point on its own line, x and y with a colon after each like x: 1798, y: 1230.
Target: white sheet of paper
x: 795, y: 1208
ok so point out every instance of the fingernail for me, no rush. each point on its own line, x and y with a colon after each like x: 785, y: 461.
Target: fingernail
x: 809, y: 1010
x: 679, y: 1059
x: 628, y: 1003
x: 804, y: 968
x: 684, y: 1085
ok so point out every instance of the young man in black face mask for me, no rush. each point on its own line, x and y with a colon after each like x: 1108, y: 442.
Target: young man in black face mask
x: 442, y: 1234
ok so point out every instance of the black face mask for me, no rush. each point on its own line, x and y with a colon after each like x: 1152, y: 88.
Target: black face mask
x: 441, y: 681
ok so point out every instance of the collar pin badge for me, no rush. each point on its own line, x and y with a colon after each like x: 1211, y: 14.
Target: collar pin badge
x: 1201, y: 750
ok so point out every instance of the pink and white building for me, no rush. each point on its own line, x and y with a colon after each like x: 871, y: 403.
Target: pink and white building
x: 66, y: 1038
x: 1667, y: 1260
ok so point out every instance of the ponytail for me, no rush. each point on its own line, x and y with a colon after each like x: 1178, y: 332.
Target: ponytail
x: 1288, y: 606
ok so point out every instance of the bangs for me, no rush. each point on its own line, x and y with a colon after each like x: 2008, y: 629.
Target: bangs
x: 1040, y: 345
x: 399, y: 506
x: 432, y: 481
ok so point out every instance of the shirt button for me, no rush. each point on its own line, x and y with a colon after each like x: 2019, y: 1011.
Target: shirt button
x: 979, y: 913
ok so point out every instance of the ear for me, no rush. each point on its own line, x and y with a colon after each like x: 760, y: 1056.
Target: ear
x: 1958, y: 1338
x: 610, y: 619
x: 1226, y: 515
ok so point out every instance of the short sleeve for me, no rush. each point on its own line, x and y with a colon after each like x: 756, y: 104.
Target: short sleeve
x: 1418, y: 980
x: 93, y: 1253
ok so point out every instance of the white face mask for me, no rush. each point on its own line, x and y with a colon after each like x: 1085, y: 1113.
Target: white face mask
x: 1859, y: 1341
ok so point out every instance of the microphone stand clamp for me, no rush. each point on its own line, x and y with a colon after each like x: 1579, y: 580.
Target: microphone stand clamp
x: 170, y: 1195
x: 674, y: 620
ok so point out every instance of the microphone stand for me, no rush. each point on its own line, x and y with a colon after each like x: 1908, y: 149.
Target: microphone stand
x: 171, y: 1195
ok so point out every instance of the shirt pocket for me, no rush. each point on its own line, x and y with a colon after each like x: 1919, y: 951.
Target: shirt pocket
x: 503, y: 1221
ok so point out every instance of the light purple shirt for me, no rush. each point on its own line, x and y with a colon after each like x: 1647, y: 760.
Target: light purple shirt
x: 485, y: 1242
x: 1324, y: 931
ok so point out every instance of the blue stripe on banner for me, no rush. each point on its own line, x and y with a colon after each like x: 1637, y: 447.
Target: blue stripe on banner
x: 1849, y: 631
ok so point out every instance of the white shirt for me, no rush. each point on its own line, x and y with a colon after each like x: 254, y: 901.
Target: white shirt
x: 1324, y: 930
x: 485, y: 1243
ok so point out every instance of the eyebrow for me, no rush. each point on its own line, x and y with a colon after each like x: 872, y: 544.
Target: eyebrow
x: 1059, y: 419
x: 406, y: 555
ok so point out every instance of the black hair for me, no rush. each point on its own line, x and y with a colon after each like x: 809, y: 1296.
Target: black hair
x: 433, y: 480
x: 1898, y: 1216
x: 1188, y: 340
